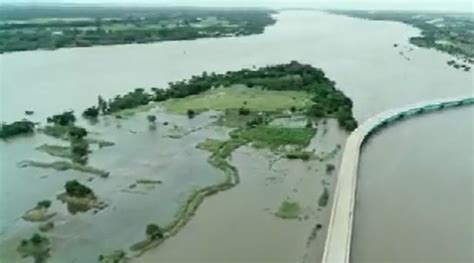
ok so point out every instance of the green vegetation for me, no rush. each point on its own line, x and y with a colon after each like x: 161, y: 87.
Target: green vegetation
x: 210, y: 145
x: 47, y: 27
x: 75, y: 189
x: 148, y: 181
x: 117, y: 256
x: 153, y: 231
x: 91, y: 112
x: 330, y: 168
x: 274, y: 137
x: 288, y: 210
x: 450, y: 33
x: 56, y: 150
x: 43, y: 204
x: 37, y: 247
x: 256, y: 99
x: 63, y: 166
x: 302, y: 155
x: 63, y: 119
x: 324, y: 198
x: 272, y: 88
x: 16, y: 128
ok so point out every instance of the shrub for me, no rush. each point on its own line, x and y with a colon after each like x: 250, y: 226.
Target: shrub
x: 91, y: 112
x: 191, y: 113
x: 153, y: 231
x: 16, y: 128
x: 330, y: 168
x: 74, y: 188
x: 244, y: 111
x: 44, y: 204
x: 324, y: 198
x: 77, y: 132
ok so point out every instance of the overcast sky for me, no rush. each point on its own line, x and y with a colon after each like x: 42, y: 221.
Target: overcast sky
x: 457, y: 5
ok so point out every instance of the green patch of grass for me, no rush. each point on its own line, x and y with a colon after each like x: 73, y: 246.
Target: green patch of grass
x: 210, y: 145
x: 237, y: 96
x: 63, y: 166
x: 324, y: 198
x: 56, y: 131
x: 56, y: 150
x: 288, y: 210
x: 274, y: 137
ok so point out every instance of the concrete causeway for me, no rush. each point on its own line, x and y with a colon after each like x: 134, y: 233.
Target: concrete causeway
x: 338, y: 241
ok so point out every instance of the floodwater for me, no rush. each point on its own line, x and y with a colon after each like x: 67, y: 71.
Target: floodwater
x: 415, y: 191
x: 239, y: 225
x: 359, y: 55
x: 140, y: 153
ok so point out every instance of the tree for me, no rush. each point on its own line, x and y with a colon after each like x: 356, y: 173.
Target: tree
x: 16, y: 128
x: 44, y: 204
x: 151, y: 118
x: 244, y: 111
x: 191, y: 113
x: 317, y: 110
x: 153, y: 231
x: 63, y: 119
x: 36, y: 239
x: 91, y: 112
x: 77, y: 132
x: 74, y: 188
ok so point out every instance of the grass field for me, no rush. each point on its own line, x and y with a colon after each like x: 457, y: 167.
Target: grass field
x: 239, y: 96
x: 288, y: 210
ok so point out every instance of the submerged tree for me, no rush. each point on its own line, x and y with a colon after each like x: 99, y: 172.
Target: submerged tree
x: 153, y: 231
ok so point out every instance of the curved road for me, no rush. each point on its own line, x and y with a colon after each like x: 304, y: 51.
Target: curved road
x: 338, y: 241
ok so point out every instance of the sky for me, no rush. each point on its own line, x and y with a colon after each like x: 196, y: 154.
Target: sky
x: 437, y: 5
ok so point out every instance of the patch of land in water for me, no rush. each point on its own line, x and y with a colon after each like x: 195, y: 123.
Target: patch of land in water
x: 63, y: 166
x: 235, y: 97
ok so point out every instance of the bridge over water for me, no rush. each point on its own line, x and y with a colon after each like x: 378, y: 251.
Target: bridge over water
x: 338, y: 242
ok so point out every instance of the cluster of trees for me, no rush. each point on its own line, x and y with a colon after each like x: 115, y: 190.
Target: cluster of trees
x: 122, y: 26
x: 36, y: 239
x: 16, y: 128
x: 63, y: 119
x: 63, y: 126
x: 43, y: 204
x: 327, y: 100
x: 74, y: 188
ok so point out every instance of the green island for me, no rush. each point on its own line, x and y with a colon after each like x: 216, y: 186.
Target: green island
x: 289, y: 210
x: 39, y: 213
x: 447, y: 32
x: 16, y: 128
x: 80, y: 198
x: 62, y: 126
x: 46, y: 27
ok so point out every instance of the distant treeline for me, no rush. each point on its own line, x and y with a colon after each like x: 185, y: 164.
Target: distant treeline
x: 58, y: 27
